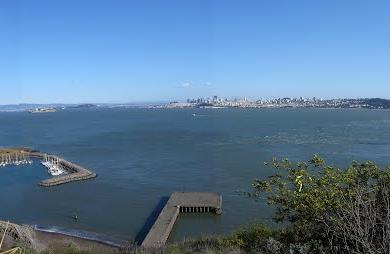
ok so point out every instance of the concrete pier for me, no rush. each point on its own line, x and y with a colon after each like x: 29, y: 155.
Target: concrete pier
x: 185, y: 202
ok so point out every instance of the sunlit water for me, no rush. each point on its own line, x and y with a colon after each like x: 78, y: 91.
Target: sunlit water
x: 142, y: 155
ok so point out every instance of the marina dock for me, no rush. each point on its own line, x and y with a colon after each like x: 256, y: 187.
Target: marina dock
x: 78, y: 174
x: 180, y: 202
x: 74, y: 172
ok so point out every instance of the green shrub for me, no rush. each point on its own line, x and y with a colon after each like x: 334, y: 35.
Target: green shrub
x: 318, y: 201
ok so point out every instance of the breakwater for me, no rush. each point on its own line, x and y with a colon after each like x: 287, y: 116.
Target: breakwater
x: 185, y: 202
x: 73, y: 171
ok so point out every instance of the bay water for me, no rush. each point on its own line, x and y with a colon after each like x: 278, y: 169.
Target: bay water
x: 142, y: 155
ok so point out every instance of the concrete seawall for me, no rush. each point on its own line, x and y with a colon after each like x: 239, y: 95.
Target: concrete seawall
x: 188, y: 202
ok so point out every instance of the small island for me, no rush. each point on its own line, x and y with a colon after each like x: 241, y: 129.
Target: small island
x: 43, y: 110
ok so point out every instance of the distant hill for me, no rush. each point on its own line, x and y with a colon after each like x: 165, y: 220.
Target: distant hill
x: 377, y: 103
x: 369, y: 103
x: 88, y: 105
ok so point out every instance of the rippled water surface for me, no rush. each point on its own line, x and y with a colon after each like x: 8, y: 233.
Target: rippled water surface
x: 142, y: 155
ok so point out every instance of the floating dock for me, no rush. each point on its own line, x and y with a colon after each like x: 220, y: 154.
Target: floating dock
x: 180, y: 202
x: 74, y: 171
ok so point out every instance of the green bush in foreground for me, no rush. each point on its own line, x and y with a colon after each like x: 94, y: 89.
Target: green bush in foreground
x: 343, y: 211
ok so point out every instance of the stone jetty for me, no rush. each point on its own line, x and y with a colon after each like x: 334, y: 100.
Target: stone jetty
x: 180, y: 202
x: 74, y: 172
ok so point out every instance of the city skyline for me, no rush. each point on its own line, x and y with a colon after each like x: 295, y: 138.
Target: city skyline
x: 138, y: 51
x: 207, y: 99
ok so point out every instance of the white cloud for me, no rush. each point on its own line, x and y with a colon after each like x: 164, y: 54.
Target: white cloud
x: 189, y: 84
x: 185, y: 85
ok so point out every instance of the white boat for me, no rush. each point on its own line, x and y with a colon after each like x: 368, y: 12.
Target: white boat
x: 14, y: 159
x: 43, y: 110
x: 53, y: 165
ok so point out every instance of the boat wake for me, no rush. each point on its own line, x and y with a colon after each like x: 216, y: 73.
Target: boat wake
x: 197, y: 115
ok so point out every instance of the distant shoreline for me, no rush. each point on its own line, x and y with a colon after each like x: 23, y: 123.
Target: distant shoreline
x: 215, y: 102
x: 208, y: 107
x: 259, y: 108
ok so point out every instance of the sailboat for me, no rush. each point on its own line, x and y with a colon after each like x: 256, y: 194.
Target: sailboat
x: 53, y: 165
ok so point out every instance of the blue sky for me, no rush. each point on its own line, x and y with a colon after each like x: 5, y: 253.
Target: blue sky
x: 150, y: 50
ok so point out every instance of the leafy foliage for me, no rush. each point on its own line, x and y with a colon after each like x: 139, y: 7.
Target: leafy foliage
x: 317, y: 201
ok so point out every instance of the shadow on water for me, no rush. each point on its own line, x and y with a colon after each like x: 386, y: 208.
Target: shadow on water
x: 150, y: 220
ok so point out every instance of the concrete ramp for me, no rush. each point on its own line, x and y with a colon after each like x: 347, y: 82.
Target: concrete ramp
x: 185, y: 202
